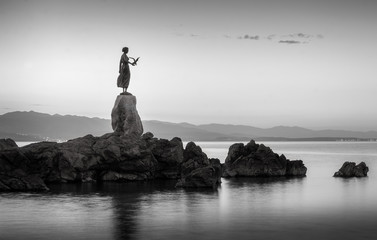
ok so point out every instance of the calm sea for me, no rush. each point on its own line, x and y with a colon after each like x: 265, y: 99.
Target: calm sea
x: 315, y: 207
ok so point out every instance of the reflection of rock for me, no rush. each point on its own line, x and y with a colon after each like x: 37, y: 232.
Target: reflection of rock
x: 7, y: 144
x: 350, y: 169
x: 254, y: 160
x: 125, y: 119
x: 197, y: 170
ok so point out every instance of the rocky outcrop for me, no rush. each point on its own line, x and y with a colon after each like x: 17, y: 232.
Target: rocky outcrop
x: 125, y: 119
x: 257, y: 160
x: 114, y: 157
x: 169, y: 155
x: 350, y: 169
x: 295, y: 168
x: 16, y: 172
x: 7, y: 144
x: 107, y: 158
x: 197, y: 170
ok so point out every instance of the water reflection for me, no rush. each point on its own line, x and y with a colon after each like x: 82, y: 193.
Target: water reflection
x: 242, y: 208
x: 46, y: 216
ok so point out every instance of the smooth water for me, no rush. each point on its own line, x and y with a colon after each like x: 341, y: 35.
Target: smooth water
x: 315, y: 207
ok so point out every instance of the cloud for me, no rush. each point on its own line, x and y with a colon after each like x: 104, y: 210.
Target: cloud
x: 246, y: 36
x: 292, y: 38
x: 299, y: 35
x: 298, y: 38
x: 290, y: 41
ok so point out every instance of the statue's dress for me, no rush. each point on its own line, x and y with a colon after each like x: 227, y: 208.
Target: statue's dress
x: 125, y: 74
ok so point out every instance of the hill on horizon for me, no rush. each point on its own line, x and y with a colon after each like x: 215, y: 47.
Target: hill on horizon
x: 34, y: 126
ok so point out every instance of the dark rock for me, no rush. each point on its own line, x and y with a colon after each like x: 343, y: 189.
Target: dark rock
x: 7, y: 144
x: 147, y: 136
x: 107, y: 158
x: 169, y: 156
x: 197, y: 170
x: 193, y: 158
x: 295, y: 168
x: 16, y: 181
x: 350, y: 169
x: 257, y: 160
x: 15, y: 174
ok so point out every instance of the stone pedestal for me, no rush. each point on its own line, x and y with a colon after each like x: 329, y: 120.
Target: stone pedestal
x: 125, y: 119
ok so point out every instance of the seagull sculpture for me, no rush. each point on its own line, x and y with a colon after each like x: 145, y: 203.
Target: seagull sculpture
x: 135, y: 60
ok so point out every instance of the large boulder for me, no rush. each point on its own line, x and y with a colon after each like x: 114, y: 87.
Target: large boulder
x: 125, y: 119
x: 197, y: 170
x: 350, y: 169
x: 257, y: 160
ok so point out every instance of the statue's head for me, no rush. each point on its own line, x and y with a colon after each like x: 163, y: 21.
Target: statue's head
x: 125, y: 49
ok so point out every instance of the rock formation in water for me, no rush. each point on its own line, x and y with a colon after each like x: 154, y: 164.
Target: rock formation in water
x: 106, y: 158
x: 127, y: 155
x: 124, y: 155
x: 257, y: 160
x: 168, y: 154
x: 350, y: 169
x: 197, y: 170
x: 125, y: 119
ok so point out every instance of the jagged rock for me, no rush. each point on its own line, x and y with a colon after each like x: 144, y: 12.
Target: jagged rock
x: 125, y: 119
x: 197, y: 170
x: 7, y: 144
x: 350, y: 169
x: 257, y: 160
x: 169, y: 155
x: 14, y: 171
x: 295, y: 168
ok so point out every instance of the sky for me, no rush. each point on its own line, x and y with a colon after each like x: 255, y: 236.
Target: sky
x: 264, y: 63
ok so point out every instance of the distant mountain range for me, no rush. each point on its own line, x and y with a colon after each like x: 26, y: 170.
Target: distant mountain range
x: 34, y: 126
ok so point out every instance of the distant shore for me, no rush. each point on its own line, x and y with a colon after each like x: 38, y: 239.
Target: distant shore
x: 34, y: 127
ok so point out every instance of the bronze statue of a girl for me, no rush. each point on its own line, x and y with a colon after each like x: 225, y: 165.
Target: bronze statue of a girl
x: 124, y: 70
